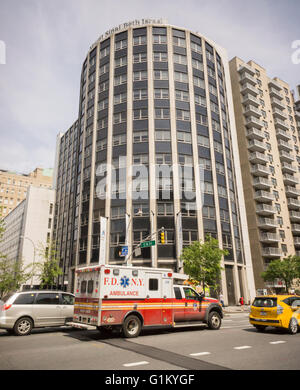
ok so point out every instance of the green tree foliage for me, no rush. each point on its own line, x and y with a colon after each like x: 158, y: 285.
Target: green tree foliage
x: 49, y: 269
x: 12, y: 274
x: 202, y: 261
x: 287, y: 269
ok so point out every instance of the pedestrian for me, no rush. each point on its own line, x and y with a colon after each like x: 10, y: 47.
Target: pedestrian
x: 242, y: 303
x: 221, y: 299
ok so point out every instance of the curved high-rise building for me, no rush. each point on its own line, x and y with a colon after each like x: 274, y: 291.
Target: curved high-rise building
x: 157, y: 149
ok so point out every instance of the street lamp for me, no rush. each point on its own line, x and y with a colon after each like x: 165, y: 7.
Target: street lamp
x: 34, y: 251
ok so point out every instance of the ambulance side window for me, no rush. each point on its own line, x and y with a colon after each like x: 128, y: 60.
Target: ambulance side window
x: 153, y: 284
x: 90, y: 286
x: 177, y: 293
x: 83, y: 287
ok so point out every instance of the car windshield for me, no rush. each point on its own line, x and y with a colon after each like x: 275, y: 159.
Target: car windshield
x: 265, y: 302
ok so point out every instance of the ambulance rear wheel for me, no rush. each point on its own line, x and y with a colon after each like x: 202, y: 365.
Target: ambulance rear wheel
x: 132, y: 326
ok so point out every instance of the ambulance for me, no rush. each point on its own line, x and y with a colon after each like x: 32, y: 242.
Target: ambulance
x: 130, y: 299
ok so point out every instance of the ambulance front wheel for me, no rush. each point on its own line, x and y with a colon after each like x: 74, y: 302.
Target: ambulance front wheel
x: 132, y: 326
x: 214, y: 320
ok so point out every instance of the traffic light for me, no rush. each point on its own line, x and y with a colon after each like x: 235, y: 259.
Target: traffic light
x: 162, y: 236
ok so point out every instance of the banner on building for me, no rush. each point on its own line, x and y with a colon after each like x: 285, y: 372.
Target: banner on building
x: 102, y: 250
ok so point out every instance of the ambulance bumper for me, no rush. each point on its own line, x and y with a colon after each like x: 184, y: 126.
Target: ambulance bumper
x: 81, y: 326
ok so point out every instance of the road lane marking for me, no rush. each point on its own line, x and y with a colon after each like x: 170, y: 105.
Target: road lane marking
x: 135, y: 364
x: 277, y: 342
x: 243, y: 347
x: 199, y: 353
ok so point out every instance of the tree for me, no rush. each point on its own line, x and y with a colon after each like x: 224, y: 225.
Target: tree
x: 12, y: 273
x: 49, y: 267
x: 287, y: 269
x: 202, y: 261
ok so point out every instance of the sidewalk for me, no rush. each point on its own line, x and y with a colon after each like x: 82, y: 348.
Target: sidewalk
x: 236, y: 309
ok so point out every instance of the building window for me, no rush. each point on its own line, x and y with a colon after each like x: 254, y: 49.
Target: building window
x: 121, y: 79
x: 120, y: 117
x: 119, y: 139
x: 161, y: 75
x: 179, y: 59
x: 200, y: 100
x: 140, y: 114
x: 179, y: 42
x: 140, y: 75
x: 159, y: 39
x: 162, y: 113
x: 140, y: 136
x: 140, y: 94
x: 196, y: 47
x: 198, y: 82
x: 197, y: 64
x: 160, y: 56
x: 122, y: 61
x: 182, y: 96
x: 162, y: 135
x: 184, y: 137
x: 140, y: 57
x: 140, y: 40
x: 181, y: 77
x: 120, y: 98
x: 183, y: 115
x: 121, y: 44
x: 104, y: 52
x: 162, y: 93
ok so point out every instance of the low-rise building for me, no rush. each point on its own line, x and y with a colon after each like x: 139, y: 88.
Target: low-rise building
x: 28, y: 229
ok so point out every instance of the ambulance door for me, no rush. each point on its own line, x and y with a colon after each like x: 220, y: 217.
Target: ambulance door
x: 153, y: 285
x: 193, y: 310
x: 154, y: 313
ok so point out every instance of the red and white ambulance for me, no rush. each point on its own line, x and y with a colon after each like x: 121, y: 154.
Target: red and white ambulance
x: 132, y: 298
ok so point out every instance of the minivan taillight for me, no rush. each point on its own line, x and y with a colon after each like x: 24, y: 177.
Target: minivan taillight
x: 5, y: 307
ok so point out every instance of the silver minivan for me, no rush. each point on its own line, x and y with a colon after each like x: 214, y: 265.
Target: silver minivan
x: 22, y: 311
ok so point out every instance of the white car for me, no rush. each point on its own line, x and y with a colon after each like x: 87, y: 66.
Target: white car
x: 22, y: 311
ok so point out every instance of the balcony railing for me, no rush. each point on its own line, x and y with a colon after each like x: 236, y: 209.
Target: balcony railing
x: 292, y: 191
x: 261, y: 183
x: 295, y: 216
x: 282, y: 134
x: 269, y: 237
x: 257, y: 146
x: 289, y: 179
x: 257, y: 157
x: 247, y: 78
x: 277, y: 103
x: 288, y: 168
x: 252, y: 121
x: 267, y: 223
x: 265, y: 209
x: 250, y: 99
x: 275, y: 93
x: 293, y: 204
x: 286, y: 156
x: 271, y: 252
x: 264, y: 196
x: 254, y: 133
x: 284, y: 145
x: 260, y: 170
x: 248, y: 88
x: 281, y: 124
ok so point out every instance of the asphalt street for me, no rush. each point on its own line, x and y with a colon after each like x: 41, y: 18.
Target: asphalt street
x: 236, y: 346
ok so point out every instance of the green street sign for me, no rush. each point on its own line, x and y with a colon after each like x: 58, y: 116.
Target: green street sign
x: 146, y: 244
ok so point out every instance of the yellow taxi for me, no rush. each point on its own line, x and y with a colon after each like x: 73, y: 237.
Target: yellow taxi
x: 282, y: 311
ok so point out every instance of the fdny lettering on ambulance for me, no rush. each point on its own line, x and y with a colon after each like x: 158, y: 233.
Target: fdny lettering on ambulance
x: 124, y: 283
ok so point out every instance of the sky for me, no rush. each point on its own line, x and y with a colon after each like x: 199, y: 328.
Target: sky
x: 46, y: 42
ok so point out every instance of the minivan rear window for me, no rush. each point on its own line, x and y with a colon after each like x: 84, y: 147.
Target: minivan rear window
x: 25, y: 299
x: 265, y: 302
